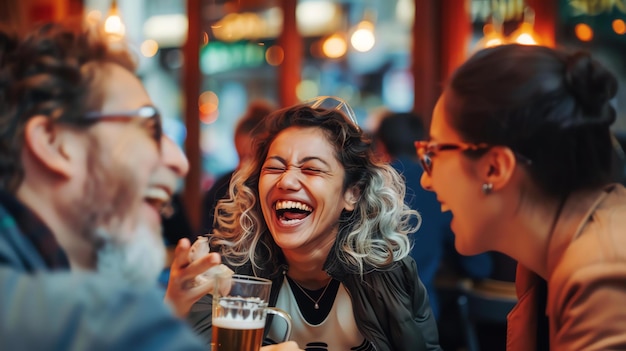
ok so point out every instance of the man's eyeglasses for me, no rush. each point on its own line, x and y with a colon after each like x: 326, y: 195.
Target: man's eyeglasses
x: 427, y: 149
x: 144, y: 112
x: 334, y: 103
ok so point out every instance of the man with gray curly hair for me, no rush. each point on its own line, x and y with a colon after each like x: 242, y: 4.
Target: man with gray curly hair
x: 85, y: 171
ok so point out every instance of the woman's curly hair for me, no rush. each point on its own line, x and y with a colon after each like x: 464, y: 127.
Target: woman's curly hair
x: 372, y: 236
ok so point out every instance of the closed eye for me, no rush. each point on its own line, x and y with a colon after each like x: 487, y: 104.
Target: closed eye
x: 310, y: 170
x: 273, y: 169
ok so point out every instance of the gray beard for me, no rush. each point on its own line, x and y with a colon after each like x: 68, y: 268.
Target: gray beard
x: 133, y: 254
x: 137, y: 262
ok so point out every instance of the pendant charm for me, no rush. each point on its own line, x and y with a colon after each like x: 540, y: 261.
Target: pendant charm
x: 317, y: 307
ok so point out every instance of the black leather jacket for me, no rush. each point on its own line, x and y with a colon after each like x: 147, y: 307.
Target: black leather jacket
x: 390, y: 305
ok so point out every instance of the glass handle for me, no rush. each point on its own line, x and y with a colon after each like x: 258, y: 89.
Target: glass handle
x: 284, y: 315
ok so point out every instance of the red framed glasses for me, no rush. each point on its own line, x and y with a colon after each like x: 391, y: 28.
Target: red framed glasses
x: 427, y: 149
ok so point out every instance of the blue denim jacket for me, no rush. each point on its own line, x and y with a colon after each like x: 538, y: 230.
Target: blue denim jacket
x: 43, y: 309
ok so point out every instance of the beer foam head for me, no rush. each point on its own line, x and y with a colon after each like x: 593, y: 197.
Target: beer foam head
x: 238, y: 322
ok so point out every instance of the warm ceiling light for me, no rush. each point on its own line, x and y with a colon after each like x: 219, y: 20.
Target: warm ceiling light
x: 317, y: 17
x: 525, y: 34
x: 492, y: 37
x: 93, y: 17
x: 363, y: 38
x: 113, y: 23
x: 334, y: 46
x: 167, y: 30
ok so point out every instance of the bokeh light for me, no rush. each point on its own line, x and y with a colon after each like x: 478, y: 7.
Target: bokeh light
x: 93, y: 16
x: 525, y: 35
x: 317, y: 17
x: 583, y: 32
x: 149, y: 48
x: 363, y: 38
x: 114, y: 25
x: 275, y: 55
x: 619, y: 26
x: 491, y: 38
x: 208, y: 103
x: 334, y: 46
x: 307, y: 89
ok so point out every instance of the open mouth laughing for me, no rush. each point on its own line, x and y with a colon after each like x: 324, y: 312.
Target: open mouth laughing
x: 291, y: 212
x: 160, y: 199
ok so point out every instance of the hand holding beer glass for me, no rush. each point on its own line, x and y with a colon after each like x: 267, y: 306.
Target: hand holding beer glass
x: 240, y: 307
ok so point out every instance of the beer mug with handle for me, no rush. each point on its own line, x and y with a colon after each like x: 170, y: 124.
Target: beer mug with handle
x: 240, y: 308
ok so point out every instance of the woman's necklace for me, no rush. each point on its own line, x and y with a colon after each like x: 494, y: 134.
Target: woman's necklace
x: 316, y: 302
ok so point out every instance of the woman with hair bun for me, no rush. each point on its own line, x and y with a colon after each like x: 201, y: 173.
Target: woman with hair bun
x: 520, y: 151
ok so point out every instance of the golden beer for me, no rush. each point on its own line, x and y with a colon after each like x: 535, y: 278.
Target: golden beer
x: 236, y: 335
x: 239, y: 313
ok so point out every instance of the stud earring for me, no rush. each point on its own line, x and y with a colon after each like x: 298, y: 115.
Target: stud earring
x: 487, y: 188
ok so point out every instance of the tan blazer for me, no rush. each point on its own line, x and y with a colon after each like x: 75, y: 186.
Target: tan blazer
x: 586, y: 260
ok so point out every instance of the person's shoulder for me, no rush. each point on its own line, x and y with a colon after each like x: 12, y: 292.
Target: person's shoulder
x: 599, y: 250
x: 404, y: 270
x: 85, y: 306
x: 599, y: 237
x: 601, y: 234
x: 134, y: 309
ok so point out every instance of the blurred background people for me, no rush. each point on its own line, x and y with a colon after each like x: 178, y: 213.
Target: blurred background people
x: 176, y: 224
x: 521, y: 152
x: 248, y: 128
x: 319, y: 215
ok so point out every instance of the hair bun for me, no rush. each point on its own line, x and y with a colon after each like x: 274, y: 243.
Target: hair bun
x: 592, y: 85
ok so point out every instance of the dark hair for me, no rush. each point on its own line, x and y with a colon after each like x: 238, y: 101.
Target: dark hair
x: 551, y: 107
x: 250, y: 122
x: 48, y: 72
x: 398, y: 132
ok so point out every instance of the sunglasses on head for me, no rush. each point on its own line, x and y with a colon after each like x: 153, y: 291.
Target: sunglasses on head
x: 334, y: 103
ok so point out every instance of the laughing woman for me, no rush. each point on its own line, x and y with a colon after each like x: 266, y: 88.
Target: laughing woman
x: 520, y: 153
x: 316, y: 214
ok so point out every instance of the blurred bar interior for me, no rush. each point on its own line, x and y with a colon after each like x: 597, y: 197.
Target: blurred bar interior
x: 203, y: 61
